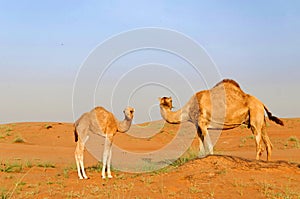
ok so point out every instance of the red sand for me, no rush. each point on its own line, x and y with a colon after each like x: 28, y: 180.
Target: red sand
x: 43, y: 165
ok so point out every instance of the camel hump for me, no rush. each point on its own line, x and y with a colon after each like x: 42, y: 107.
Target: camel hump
x: 104, y: 118
x: 102, y: 113
x: 228, y: 81
x: 100, y: 109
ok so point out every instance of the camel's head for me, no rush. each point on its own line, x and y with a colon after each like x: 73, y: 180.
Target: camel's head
x: 166, y: 102
x: 128, y: 112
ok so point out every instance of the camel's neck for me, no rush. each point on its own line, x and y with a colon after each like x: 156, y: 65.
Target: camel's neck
x: 175, y: 117
x: 124, y: 125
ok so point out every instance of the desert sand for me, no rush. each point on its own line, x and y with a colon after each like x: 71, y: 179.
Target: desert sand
x: 37, y: 161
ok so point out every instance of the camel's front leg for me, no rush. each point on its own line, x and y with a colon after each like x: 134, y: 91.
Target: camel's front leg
x: 107, y: 156
x: 208, y: 144
x: 205, y: 143
x: 202, y: 152
x: 109, y: 162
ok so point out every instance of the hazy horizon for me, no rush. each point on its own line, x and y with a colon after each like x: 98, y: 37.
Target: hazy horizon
x: 45, y: 44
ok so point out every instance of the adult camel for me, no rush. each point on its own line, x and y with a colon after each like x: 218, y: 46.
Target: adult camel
x: 225, y: 106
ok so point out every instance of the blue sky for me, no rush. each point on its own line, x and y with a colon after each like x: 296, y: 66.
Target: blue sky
x: 44, y: 43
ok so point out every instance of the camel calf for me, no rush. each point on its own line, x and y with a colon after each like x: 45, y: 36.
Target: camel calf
x: 102, y: 122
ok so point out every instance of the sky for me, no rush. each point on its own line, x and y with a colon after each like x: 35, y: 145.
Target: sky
x: 44, y: 47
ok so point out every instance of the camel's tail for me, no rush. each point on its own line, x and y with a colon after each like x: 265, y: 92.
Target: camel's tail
x: 76, y: 135
x: 273, y: 118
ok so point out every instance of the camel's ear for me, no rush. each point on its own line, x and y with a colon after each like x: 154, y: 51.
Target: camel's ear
x: 159, y: 98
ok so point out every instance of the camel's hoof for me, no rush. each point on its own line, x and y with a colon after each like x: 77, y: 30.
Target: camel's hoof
x: 201, y: 156
x: 110, y: 176
x: 83, y: 178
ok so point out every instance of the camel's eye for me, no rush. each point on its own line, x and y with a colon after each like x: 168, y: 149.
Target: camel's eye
x: 131, y: 112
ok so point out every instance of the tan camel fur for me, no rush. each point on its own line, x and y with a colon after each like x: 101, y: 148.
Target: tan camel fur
x: 225, y: 106
x: 102, y: 122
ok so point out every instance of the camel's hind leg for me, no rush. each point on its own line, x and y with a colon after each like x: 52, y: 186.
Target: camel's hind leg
x: 256, y: 124
x: 266, y: 141
x: 79, y: 160
x: 257, y: 133
x: 79, y: 157
x: 258, y: 127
